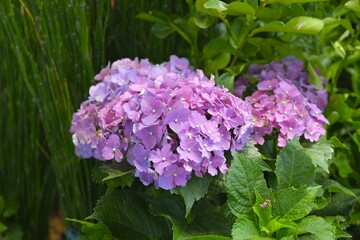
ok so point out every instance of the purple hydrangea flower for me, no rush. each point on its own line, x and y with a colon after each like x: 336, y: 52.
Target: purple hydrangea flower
x: 168, y: 120
x: 284, y: 100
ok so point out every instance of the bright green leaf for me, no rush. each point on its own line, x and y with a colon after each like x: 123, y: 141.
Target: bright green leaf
x: 294, y: 167
x: 93, y: 231
x: 318, y: 227
x: 216, y: 5
x: 244, y: 228
x: 203, y: 20
x: 262, y: 208
x: 354, y: 6
x: 208, y: 237
x: 219, y: 62
x: 338, y: 144
x: 275, y: 225
x: 240, y: 8
x: 347, y: 25
x: 320, y: 153
x: 244, y: 178
x: 293, y: 204
x: 226, y: 80
x: 305, y: 25
x: 314, y: 77
x: 195, y: 189
x: 275, y: 26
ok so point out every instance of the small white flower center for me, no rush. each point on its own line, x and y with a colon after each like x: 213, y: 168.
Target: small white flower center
x: 151, y: 133
x: 154, y: 111
x: 189, y: 149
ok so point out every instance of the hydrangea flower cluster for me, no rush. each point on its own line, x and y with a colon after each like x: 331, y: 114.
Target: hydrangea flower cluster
x: 285, y: 101
x: 167, y: 120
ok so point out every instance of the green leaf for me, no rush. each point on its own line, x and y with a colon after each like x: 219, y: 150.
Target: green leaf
x: 338, y: 144
x: 93, y: 231
x: 275, y: 225
x: 214, y: 47
x: 126, y: 215
x: 275, y: 26
x: 161, y: 30
x: 226, y: 80
x: 11, y: 208
x: 244, y: 228
x: 347, y: 25
x: 320, y: 153
x: 13, y: 232
x: 244, y: 178
x: 203, y: 20
x: 314, y: 77
x: 216, y: 5
x: 240, y: 8
x: 305, y: 25
x: 262, y: 208
x: 118, y: 175
x: 287, y: 2
x: 195, y: 189
x: 219, y: 62
x: 334, y: 186
x: 3, y: 227
x: 318, y: 227
x: 293, y: 204
x: 354, y: 6
x: 268, y: 13
x: 209, y: 237
x: 155, y: 16
x: 205, y: 217
x: 294, y: 166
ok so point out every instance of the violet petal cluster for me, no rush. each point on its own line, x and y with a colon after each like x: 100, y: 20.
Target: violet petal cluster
x: 284, y: 101
x: 166, y: 120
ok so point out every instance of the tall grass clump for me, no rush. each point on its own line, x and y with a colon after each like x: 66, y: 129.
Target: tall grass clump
x: 48, y: 66
x: 27, y: 182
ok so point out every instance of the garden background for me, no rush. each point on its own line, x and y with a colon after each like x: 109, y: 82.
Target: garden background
x: 51, y: 50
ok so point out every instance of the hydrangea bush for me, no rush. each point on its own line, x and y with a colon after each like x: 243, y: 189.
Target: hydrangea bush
x: 166, y: 120
x: 285, y: 101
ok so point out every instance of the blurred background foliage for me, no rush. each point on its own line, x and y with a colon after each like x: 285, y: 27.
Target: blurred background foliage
x: 50, y: 51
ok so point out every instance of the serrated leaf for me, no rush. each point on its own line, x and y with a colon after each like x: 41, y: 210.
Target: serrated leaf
x: 209, y: 237
x: 294, y: 166
x: 262, y: 209
x: 318, y: 227
x: 93, y: 231
x: 244, y: 228
x: 206, y: 220
x: 305, y: 25
x: 320, y: 153
x: 274, y: 225
x: 338, y: 144
x: 244, y: 178
x: 240, y: 8
x: 293, y: 204
x: 195, y: 189
x: 118, y: 175
x: 126, y: 215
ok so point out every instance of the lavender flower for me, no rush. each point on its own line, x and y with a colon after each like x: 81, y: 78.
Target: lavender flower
x: 168, y: 120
